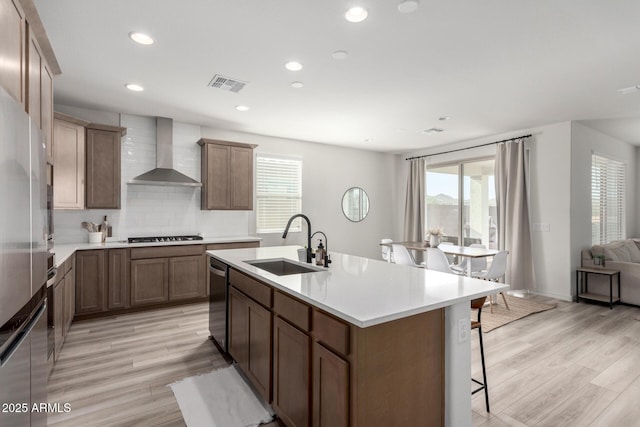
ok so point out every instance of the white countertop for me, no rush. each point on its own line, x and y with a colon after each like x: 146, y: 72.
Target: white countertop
x: 362, y: 291
x: 64, y: 251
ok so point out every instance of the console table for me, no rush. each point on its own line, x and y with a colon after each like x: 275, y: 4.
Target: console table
x: 582, y: 275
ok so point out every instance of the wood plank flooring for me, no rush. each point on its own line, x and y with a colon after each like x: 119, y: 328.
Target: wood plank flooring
x: 576, y: 365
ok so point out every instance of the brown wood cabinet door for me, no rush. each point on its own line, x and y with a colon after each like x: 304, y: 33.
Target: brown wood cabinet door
x: 238, y: 328
x: 260, y: 345
x: 69, y: 300
x: 103, y: 169
x: 186, y: 277
x: 12, y: 51
x: 241, y: 160
x: 91, y: 279
x: 291, y: 374
x: 330, y: 388
x: 216, y: 185
x: 58, y: 317
x: 149, y: 281
x: 118, y: 286
x: 34, y: 85
x: 69, y: 165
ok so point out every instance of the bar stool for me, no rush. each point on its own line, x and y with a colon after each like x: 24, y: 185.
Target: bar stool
x: 475, y: 324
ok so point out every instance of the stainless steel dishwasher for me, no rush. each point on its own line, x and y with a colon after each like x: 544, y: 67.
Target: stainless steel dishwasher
x: 218, y: 302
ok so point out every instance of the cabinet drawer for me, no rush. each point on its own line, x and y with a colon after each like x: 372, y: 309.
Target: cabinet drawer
x: 166, y: 251
x: 296, y: 312
x: 251, y: 287
x: 330, y: 331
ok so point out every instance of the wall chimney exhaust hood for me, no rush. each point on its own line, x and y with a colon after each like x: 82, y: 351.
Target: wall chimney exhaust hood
x: 164, y: 173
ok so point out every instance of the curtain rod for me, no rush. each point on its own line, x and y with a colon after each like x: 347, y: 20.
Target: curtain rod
x: 467, y: 148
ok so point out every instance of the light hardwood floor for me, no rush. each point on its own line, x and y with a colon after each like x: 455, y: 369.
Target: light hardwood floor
x: 575, y: 365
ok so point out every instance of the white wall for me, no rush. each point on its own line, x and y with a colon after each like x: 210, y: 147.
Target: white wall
x: 327, y: 172
x: 550, y: 149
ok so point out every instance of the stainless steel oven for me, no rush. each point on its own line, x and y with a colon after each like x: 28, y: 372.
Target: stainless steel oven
x: 218, y: 303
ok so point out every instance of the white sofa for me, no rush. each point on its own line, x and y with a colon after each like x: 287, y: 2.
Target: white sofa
x: 623, y: 255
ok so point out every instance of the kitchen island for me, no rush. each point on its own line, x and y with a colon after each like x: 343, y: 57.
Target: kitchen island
x: 363, y: 342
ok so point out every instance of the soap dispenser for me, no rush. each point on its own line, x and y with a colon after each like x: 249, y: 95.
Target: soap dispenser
x: 320, y: 252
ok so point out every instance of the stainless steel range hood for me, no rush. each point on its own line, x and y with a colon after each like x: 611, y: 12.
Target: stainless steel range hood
x: 164, y: 174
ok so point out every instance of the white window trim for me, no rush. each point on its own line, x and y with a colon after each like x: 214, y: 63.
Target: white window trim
x: 296, y: 225
x: 603, y: 234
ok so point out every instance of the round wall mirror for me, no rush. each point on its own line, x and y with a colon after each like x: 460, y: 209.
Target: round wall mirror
x: 355, y: 204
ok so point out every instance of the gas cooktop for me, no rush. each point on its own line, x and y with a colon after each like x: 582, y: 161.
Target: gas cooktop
x: 163, y: 239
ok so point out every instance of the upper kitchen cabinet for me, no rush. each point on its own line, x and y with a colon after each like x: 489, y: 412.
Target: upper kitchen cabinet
x: 103, y: 166
x: 27, y: 63
x: 227, y: 175
x: 86, y: 159
x: 12, y: 49
x: 68, y: 161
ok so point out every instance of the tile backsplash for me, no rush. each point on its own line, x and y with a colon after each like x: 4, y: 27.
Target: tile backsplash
x: 155, y: 210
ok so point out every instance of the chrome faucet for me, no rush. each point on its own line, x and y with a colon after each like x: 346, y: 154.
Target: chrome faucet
x: 286, y: 230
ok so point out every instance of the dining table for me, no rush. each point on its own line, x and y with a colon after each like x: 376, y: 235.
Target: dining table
x: 461, y: 251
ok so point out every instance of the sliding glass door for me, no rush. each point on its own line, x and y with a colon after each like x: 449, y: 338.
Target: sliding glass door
x: 466, y: 220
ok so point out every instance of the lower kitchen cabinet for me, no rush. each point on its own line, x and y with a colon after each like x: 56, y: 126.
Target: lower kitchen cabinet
x: 91, y: 280
x: 186, y: 277
x: 63, y: 304
x: 250, y: 340
x: 149, y: 281
x: 330, y: 388
x: 291, y: 382
x: 118, y: 279
x: 101, y: 280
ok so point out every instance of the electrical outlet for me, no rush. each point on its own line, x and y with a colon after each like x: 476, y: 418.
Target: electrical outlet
x: 464, y: 328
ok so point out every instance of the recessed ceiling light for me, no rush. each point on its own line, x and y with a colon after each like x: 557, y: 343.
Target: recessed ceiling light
x: 293, y: 66
x: 367, y: 140
x: 356, y: 14
x: 141, y: 38
x: 628, y: 90
x: 134, y: 87
x: 408, y: 6
x: 340, y: 54
x: 444, y: 118
x: 297, y: 85
x: 242, y: 108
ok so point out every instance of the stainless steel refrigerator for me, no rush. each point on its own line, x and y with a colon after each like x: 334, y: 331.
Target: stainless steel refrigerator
x: 23, y: 265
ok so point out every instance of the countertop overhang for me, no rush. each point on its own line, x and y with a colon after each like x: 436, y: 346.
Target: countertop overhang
x: 362, y: 291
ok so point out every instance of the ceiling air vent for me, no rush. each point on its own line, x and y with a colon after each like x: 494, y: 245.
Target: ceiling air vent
x: 227, y: 83
x: 432, y: 131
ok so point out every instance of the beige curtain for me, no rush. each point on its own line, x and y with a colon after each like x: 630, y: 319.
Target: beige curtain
x: 414, y: 210
x: 514, y: 231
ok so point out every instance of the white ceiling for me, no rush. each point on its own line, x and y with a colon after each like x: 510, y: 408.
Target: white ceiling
x: 494, y: 66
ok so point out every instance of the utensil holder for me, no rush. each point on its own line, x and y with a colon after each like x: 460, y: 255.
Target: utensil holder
x: 95, y: 237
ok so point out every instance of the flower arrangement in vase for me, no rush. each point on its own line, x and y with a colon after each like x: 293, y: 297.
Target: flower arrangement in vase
x: 434, y: 236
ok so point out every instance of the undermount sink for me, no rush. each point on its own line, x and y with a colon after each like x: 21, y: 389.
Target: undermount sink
x: 283, y: 267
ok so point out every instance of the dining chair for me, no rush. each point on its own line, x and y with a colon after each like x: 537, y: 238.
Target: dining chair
x: 495, y: 272
x: 401, y: 255
x: 387, y: 254
x: 477, y: 304
x: 449, y: 257
x: 437, y: 261
x: 477, y: 264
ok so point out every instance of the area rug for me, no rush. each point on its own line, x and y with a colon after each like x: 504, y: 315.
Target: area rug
x: 518, y: 308
x: 219, y: 399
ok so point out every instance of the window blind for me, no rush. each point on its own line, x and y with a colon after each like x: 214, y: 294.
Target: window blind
x: 607, y: 200
x: 278, y: 193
